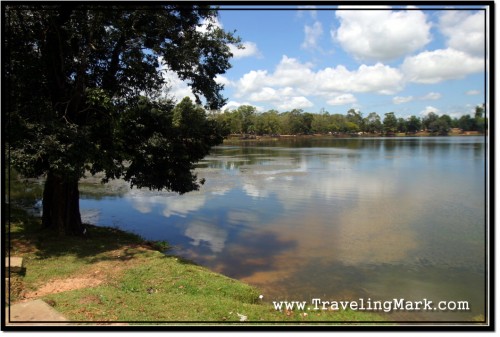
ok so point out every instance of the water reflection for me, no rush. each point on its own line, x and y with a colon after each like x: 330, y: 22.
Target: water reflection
x: 210, y: 233
x: 337, y: 217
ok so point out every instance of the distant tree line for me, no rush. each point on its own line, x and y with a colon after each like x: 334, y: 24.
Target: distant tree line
x: 245, y: 120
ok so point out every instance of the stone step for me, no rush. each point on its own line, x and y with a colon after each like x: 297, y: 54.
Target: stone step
x: 15, y: 264
x: 35, y: 312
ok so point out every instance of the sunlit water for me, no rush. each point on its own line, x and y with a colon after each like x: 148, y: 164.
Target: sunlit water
x: 329, y: 218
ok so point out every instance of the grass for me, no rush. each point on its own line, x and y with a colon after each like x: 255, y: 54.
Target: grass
x: 116, y: 276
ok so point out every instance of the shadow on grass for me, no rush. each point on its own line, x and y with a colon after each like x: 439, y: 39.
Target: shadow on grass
x: 26, y: 230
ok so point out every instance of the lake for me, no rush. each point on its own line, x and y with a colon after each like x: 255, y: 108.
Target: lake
x: 329, y: 218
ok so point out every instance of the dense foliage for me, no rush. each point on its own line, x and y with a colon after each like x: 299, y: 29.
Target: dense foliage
x: 86, y: 94
x: 246, y: 120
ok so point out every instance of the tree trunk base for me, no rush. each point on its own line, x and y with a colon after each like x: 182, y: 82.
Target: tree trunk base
x: 61, y: 205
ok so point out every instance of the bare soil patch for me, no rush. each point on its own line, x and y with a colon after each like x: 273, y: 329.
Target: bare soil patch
x: 59, y: 286
x: 98, y: 273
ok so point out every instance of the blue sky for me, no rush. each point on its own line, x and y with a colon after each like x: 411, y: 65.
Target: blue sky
x: 407, y: 60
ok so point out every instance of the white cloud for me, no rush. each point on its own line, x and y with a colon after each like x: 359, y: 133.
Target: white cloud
x: 428, y: 110
x: 251, y: 81
x: 232, y: 105
x: 290, y: 72
x: 176, y: 88
x: 313, y: 33
x: 401, y: 100
x: 220, y: 79
x: 266, y: 94
x: 297, y: 102
x: 249, y: 49
x: 378, y: 78
x: 293, y: 81
x: 464, y: 30
x: 440, y: 65
x: 472, y: 92
x: 432, y: 96
x: 342, y: 99
x: 381, y: 35
x: 209, y: 24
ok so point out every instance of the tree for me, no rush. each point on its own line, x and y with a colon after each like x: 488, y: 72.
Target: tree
x: 85, y: 95
x: 321, y: 123
x: 441, y: 125
x: 390, y: 123
x: 355, y: 117
x: 292, y: 122
x: 338, y: 123
x: 402, y: 125
x: 246, y: 114
x: 428, y: 120
x: 466, y: 123
x: 307, y: 119
x: 479, y: 111
x: 372, y: 123
x: 481, y: 123
x: 268, y: 123
x: 414, y: 124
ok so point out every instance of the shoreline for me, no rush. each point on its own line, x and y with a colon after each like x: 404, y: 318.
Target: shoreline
x: 113, y: 276
x: 243, y: 137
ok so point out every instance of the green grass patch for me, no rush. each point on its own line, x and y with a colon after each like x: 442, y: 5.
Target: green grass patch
x: 138, y: 283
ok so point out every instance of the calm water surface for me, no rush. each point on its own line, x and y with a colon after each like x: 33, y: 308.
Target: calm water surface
x: 329, y: 218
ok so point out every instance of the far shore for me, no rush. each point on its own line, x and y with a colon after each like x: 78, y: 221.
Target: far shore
x: 452, y: 133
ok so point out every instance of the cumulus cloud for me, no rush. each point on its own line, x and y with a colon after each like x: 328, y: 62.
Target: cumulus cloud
x: 313, y: 33
x: 432, y: 96
x: 251, y: 81
x: 342, y: 99
x: 405, y: 99
x: 268, y: 94
x: 465, y: 31
x: 208, y: 24
x: 428, y: 110
x: 293, y: 81
x: 378, y: 78
x: 472, y: 92
x: 297, y: 102
x: 175, y: 87
x: 232, y: 105
x: 249, y: 49
x: 381, y: 35
x: 440, y: 65
x: 290, y: 72
x: 223, y: 80
x: 401, y: 99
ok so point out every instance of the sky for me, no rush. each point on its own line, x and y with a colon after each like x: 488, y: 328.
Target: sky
x: 406, y: 60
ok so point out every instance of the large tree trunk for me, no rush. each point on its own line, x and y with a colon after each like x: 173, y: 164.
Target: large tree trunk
x: 61, y: 205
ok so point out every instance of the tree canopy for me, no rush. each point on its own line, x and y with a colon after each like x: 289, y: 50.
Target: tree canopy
x: 299, y: 122
x: 86, y: 93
